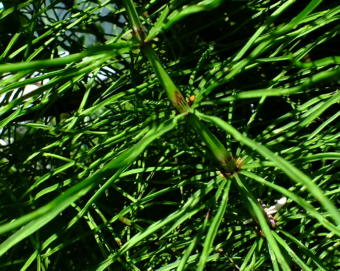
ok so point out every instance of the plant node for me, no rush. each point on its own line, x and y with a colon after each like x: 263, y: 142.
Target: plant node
x: 227, y: 172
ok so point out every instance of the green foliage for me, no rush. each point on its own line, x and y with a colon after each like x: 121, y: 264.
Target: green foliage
x: 155, y: 135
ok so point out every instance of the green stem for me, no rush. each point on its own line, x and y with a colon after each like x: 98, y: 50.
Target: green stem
x: 175, y: 96
x: 225, y: 160
x: 134, y: 21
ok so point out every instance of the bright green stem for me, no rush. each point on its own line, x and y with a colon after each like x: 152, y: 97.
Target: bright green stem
x: 134, y: 21
x: 225, y: 160
x: 175, y: 96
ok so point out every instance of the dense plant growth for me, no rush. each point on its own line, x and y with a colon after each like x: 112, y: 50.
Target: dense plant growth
x: 169, y: 135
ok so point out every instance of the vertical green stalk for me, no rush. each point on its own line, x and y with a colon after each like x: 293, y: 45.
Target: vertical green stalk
x: 175, y: 96
x: 137, y: 27
x: 258, y: 214
x: 225, y: 160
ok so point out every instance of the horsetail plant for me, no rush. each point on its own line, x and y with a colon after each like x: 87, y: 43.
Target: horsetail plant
x: 121, y: 124
x: 225, y: 160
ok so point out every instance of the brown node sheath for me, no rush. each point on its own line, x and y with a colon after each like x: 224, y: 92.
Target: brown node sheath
x: 179, y: 97
x: 139, y: 34
x: 238, y: 165
x: 180, y: 103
